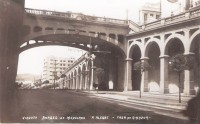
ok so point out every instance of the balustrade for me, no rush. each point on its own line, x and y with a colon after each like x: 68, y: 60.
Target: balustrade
x: 77, y: 16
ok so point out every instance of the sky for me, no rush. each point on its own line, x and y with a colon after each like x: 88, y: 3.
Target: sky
x: 31, y: 61
x: 107, y: 8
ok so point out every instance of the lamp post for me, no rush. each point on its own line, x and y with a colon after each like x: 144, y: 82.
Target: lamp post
x: 90, y: 57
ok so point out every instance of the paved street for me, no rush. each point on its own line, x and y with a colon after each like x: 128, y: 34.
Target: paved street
x: 44, y: 106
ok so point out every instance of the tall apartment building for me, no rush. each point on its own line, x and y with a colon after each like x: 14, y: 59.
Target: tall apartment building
x: 54, y: 66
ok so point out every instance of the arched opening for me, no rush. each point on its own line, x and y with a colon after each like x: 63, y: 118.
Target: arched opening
x: 41, y: 67
x: 136, y: 74
x: 111, y: 54
x: 195, y: 48
x: 154, y: 72
x: 174, y: 47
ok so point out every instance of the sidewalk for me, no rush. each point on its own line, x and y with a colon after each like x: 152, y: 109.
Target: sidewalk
x: 164, y: 104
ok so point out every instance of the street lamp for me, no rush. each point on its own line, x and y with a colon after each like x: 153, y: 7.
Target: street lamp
x: 91, y: 57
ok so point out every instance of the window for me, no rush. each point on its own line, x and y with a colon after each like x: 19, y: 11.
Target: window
x: 151, y: 15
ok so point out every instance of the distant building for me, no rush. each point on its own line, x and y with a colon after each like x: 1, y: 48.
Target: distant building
x: 54, y: 66
x: 149, y: 13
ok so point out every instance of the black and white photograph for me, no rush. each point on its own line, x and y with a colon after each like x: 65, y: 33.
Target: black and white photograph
x: 100, y: 61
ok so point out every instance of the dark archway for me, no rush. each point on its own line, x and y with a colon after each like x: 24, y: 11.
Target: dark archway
x: 154, y: 72
x: 136, y: 74
x: 174, y: 47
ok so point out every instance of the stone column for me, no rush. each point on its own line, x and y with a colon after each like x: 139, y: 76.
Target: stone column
x: 92, y: 76
x: 189, y: 80
x: 74, y: 83
x: 86, y: 82
x: 81, y: 81
x: 144, y: 80
x: 11, y: 19
x: 71, y: 83
x: 128, y: 81
x: 77, y: 81
x: 164, y: 62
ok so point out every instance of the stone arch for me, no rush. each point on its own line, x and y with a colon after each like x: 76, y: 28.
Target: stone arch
x: 130, y: 49
x: 70, y: 39
x: 192, y: 40
x: 170, y: 39
x: 174, y: 44
x: 194, y: 50
x: 136, y: 54
x: 152, y: 50
x: 149, y: 43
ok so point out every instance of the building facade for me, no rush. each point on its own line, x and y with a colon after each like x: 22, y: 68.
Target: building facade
x: 149, y: 13
x: 155, y: 43
x: 54, y: 67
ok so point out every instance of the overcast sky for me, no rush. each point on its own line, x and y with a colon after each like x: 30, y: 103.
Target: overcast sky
x: 31, y: 61
x: 107, y: 8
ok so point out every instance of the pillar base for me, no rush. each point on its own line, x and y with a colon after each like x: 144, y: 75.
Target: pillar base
x: 146, y: 89
x: 129, y: 85
x: 190, y: 92
x: 165, y: 91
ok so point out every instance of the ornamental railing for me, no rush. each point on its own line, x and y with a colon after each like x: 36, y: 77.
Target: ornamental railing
x: 75, y: 16
x: 190, y: 14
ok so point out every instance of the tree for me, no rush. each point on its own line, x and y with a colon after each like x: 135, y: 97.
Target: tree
x: 142, y: 66
x: 46, y: 82
x: 179, y: 63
